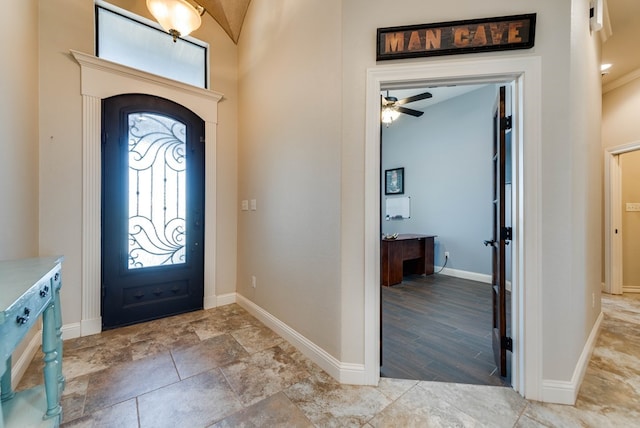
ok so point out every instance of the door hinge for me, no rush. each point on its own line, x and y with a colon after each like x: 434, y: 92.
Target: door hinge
x: 202, y: 140
x: 506, y: 343
x: 506, y: 123
x: 505, y: 233
x: 104, y: 137
x: 104, y: 291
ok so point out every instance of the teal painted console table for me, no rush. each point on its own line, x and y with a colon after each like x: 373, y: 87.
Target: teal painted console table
x: 28, y: 288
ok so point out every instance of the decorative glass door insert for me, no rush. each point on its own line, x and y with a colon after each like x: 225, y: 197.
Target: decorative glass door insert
x: 157, y: 197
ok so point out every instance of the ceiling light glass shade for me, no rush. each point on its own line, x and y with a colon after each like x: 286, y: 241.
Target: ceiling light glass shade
x: 389, y: 115
x: 177, y: 17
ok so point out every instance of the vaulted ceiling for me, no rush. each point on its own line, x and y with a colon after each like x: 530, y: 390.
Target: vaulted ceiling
x: 619, y: 49
x: 228, y: 13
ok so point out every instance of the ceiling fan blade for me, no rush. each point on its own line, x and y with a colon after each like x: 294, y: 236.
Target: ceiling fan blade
x: 413, y: 98
x: 409, y: 111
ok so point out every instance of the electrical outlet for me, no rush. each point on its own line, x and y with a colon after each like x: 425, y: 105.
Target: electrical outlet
x: 446, y: 254
x: 253, y: 281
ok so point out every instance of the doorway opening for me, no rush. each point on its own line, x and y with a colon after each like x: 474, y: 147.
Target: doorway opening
x: 437, y: 321
x: 621, y: 221
x: 525, y: 72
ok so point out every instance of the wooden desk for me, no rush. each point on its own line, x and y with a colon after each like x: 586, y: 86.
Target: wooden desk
x: 28, y: 288
x: 407, y: 254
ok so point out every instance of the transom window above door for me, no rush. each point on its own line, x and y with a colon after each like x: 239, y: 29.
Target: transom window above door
x: 140, y: 43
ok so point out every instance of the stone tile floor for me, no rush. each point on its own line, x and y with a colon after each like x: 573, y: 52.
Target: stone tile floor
x: 223, y: 368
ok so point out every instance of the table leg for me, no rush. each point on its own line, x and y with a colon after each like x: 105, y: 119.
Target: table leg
x: 58, y: 318
x: 1, y: 418
x: 5, y: 382
x: 51, y: 362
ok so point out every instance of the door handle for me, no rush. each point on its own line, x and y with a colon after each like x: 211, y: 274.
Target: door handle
x: 489, y: 243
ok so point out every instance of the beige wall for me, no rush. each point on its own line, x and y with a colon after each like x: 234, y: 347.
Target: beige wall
x: 620, y: 107
x: 307, y: 129
x: 630, y: 167
x: 289, y: 156
x: 19, y: 140
x: 61, y: 146
x: 19, y: 125
x: 580, y: 306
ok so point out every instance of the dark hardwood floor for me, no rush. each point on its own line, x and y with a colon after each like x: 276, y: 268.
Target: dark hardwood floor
x: 438, y: 328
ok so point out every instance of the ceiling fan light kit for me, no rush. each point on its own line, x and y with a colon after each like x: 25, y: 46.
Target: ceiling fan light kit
x: 178, y: 17
x: 389, y: 115
x: 392, y: 107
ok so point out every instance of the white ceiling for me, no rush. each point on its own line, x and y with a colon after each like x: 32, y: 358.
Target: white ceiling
x: 440, y: 94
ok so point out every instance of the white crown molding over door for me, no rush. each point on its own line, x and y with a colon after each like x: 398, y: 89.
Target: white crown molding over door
x: 525, y: 72
x: 102, y: 79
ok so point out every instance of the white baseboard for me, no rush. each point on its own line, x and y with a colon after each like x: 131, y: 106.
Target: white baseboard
x: 346, y: 373
x: 473, y: 276
x: 566, y: 392
x: 70, y: 331
x: 210, y: 302
x: 220, y: 300
x: 90, y: 326
x: 630, y: 289
x: 22, y: 364
x: 226, y: 299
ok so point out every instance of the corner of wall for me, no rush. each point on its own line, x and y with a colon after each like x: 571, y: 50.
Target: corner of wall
x: 566, y: 392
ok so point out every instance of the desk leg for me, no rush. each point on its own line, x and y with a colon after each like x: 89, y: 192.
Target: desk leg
x: 5, y: 382
x: 51, y: 363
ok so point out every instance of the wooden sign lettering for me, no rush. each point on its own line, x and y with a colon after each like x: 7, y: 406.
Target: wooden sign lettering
x: 457, y: 37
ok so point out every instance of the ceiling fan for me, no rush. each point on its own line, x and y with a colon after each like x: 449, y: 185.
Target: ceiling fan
x: 392, y: 106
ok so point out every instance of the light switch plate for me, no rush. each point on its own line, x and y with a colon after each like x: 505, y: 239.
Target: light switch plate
x: 633, y: 206
x: 254, y: 205
x: 245, y: 205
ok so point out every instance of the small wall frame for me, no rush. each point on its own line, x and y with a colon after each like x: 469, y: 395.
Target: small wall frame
x: 394, y: 181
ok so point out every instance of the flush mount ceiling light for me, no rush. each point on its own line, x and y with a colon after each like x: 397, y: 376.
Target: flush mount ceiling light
x: 178, y: 17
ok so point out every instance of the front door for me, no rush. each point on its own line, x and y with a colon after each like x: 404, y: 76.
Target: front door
x: 152, y: 209
x: 501, y: 235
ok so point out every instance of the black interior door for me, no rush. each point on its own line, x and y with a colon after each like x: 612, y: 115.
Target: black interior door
x: 152, y: 209
x: 501, y: 236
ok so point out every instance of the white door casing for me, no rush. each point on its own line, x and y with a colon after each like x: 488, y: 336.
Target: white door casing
x: 526, y: 73
x: 613, y: 217
x: 102, y: 79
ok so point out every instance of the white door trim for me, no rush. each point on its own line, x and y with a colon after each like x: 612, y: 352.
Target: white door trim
x: 525, y: 71
x: 102, y: 79
x: 613, y: 216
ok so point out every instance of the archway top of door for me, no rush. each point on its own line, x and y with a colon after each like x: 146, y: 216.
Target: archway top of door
x: 103, y: 79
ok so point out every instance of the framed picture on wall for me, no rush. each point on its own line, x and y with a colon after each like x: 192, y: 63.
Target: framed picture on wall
x: 394, y: 181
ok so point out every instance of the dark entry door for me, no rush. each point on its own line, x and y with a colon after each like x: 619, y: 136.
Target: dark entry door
x: 501, y: 235
x: 152, y: 209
